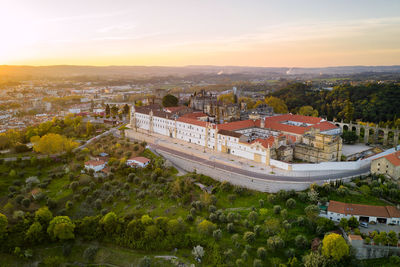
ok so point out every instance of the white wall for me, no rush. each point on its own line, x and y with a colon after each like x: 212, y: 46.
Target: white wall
x: 280, y: 164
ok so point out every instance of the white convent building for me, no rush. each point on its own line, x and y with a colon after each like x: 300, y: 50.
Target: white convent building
x: 280, y: 137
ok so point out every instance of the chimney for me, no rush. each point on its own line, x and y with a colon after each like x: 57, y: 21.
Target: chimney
x: 262, y: 123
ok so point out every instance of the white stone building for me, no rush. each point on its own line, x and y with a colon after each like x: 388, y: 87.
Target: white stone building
x: 259, y: 140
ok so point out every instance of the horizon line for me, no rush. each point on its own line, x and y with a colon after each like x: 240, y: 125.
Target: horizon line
x: 183, y: 66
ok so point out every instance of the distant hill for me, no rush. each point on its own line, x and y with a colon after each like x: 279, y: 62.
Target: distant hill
x: 138, y: 71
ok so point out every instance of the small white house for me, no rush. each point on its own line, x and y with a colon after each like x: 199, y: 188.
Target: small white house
x: 138, y: 162
x: 74, y: 110
x: 96, y: 165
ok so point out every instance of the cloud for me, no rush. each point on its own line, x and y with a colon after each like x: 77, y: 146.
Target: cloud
x: 87, y: 16
x: 129, y: 37
x: 118, y: 28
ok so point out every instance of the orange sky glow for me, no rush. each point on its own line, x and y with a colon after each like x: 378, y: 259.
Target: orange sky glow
x: 175, y: 33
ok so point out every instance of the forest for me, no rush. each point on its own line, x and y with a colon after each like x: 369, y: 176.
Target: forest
x: 377, y: 103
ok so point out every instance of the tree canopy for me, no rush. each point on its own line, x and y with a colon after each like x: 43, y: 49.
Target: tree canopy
x: 277, y: 104
x: 53, y: 144
x: 62, y: 228
x: 334, y: 246
x: 3, y: 225
x: 366, y: 102
x: 170, y: 101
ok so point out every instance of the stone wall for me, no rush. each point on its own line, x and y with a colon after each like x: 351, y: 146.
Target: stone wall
x: 262, y: 185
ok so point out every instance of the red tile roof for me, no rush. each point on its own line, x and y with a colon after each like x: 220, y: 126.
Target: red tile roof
x: 140, y: 159
x: 277, y: 123
x: 194, y: 115
x: 192, y: 121
x: 229, y: 133
x: 236, y: 125
x: 269, y: 142
x: 394, y: 158
x: 366, y: 210
x: 175, y: 109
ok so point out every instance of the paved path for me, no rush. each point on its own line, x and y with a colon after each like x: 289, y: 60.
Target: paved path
x: 218, y: 165
x: 215, y: 159
x: 112, y: 130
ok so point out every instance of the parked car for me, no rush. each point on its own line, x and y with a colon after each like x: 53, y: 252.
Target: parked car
x: 364, y: 224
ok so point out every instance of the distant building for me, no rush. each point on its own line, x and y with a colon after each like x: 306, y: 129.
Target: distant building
x: 74, y: 110
x: 363, y: 213
x: 261, y: 111
x: 138, y: 161
x: 209, y: 104
x: 388, y: 164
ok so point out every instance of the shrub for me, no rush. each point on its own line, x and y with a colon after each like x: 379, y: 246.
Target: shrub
x: 277, y: 209
x: 26, y: 202
x: 301, y: 241
x: 230, y: 227
x: 253, y: 216
x: 249, y: 237
x: 262, y: 253
x: 90, y: 253
x: 244, y: 255
x: 257, y: 263
x: 206, y: 227
x: 217, y: 234
x: 69, y: 204
x: 291, y: 203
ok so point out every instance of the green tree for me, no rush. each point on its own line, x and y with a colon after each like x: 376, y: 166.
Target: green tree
x: 348, y: 111
x: 275, y: 242
x: 291, y: 203
x: 249, y: 237
x: 349, y: 137
x: 277, y: 104
x: 170, y: 101
x: 262, y: 253
x: 312, y: 211
x: 62, y: 228
x: 53, y: 144
x: 34, y: 233
x: 308, y: 111
x: 301, y: 241
x: 206, y: 227
x: 334, y: 246
x: 353, y: 222
x: 3, y: 225
x: 314, y: 259
x: 392, y: 238
x: 109, y: 222
x: 43, y: 215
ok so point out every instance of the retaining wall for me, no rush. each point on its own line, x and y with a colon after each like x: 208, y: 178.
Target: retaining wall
x: 258, y: 184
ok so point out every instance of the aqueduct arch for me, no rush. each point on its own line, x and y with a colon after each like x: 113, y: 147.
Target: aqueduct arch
x: 370, y: 132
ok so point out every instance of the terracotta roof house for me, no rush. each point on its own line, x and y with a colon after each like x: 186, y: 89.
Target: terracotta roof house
x: 138, y: 162
x: 388, y: 165
x: 364, y: 213
x: 95, y: 164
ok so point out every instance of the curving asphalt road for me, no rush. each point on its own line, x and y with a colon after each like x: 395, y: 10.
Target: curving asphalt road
x: 212, y: 164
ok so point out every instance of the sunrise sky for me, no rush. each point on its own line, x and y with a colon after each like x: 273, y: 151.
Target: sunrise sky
x: 272, y: 33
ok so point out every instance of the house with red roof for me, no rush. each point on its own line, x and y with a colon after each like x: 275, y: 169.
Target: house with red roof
x: 95, y: 164
x: 388, y: 165
x: 364, y: 213
x: 138, y: 162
